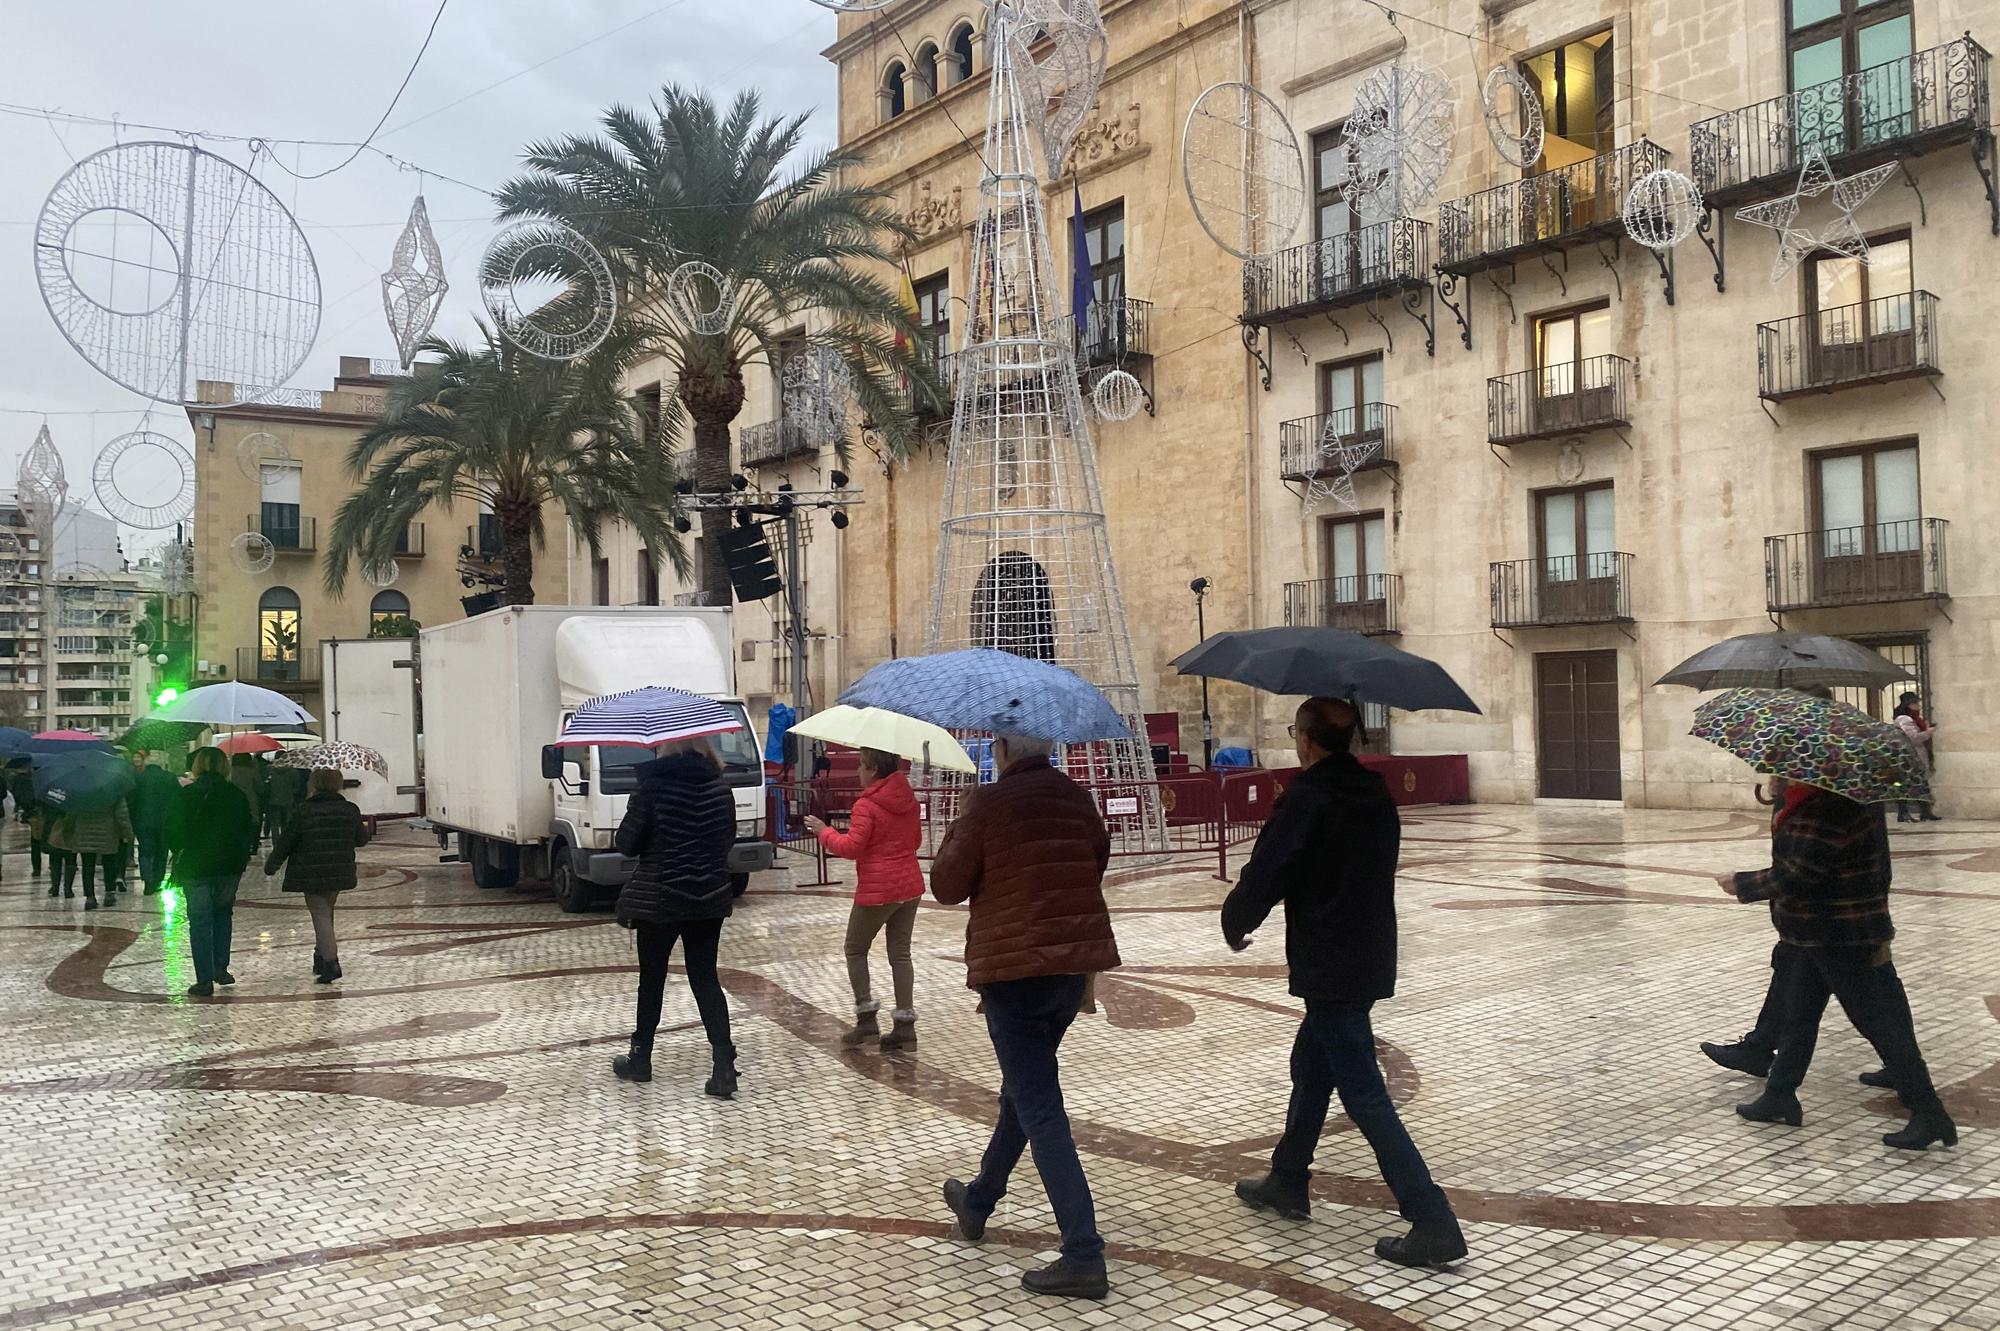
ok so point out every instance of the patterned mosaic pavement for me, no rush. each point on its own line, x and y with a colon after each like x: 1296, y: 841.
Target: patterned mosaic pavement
x: 438, y: 1142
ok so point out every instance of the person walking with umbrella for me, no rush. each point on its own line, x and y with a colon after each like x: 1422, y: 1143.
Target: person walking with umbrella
x: 152, y: 804
x: 211, y: 835
x: 95, y: 835
x: 1828, y: 889
x: 1328, y: 855
x: 21, y: 785
x: 1911, y: 721
x: 884, y: 831
x: 316, y: 850
x: 248, y: 777
x: 680, y: 825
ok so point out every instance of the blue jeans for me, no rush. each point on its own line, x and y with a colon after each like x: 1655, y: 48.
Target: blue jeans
x: 153, y: 859
x: 1335, y: 1051
x: 1026, y: 1020
x: 211, y: 908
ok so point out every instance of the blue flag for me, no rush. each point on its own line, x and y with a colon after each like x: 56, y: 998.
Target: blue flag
x: 1082, y: 285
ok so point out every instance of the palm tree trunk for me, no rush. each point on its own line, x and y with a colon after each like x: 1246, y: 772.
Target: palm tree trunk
x: 711, y: 476
x: 517, y: 549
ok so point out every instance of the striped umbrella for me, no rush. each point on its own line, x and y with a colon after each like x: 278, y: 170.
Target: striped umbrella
x: 648, y: 717
x: 335, y: 756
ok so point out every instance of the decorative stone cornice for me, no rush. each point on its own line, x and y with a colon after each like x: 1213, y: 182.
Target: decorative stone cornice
x: 1103, y: 142
x: 1354, y: 63
x: 932, y: 214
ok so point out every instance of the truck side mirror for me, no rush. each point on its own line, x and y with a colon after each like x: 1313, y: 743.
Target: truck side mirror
x: 552, y: 762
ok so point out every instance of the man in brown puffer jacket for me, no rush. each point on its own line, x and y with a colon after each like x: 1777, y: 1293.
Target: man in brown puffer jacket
x: 1028, y: 852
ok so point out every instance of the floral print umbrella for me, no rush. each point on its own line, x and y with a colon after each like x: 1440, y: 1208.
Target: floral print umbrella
x: 337, y: 755
x: 1815, y: 742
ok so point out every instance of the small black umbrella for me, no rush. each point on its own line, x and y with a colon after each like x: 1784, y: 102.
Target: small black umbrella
x: 156, y: 735
x: 82, y: 780
x: 1327, y: 663
x: 13, y: 742
x: 1785, y: 661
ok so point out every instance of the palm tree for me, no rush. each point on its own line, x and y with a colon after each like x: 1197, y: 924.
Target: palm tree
x: 495, y: 425
x: 686, y: 182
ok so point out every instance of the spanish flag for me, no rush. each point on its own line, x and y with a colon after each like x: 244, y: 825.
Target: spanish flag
x: 908, y: 297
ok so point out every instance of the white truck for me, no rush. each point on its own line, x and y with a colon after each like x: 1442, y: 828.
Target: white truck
x: 497, y: 689
x: 370, y: 687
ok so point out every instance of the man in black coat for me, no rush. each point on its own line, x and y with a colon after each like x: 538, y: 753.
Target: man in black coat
x: 1328, y: 854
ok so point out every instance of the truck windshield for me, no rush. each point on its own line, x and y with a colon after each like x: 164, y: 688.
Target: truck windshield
x: 742, y: 765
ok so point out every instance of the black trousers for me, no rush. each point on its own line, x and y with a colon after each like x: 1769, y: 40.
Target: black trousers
x: 1872, y: 995
x: 700, y: 941
x: 1771, y: 1017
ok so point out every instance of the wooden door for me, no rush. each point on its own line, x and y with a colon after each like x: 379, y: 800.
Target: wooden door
x: 1576, y: 725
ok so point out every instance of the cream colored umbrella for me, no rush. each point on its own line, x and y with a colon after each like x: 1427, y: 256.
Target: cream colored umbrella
x: 891, y: 732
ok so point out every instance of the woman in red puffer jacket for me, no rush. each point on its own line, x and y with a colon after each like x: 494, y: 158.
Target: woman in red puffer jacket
x: 882, y: 838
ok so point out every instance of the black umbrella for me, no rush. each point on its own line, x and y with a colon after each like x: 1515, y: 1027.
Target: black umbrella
x: 1327, y: 663
x: 1785, y: 661
x: 82, y: 781
x: 156, y: 735
x: 13, y: 742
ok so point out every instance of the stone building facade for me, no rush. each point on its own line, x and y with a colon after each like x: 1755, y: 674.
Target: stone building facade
x: 1577, y: 463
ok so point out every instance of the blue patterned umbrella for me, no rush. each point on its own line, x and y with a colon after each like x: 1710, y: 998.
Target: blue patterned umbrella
x: 647, y: 717
x: 991, y: 692
x: 1815, y: 742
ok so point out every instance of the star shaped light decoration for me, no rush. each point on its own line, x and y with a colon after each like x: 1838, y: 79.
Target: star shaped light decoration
x: 413, y: 288
x: 1840, y: 236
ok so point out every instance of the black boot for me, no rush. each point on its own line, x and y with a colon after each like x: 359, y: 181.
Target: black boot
x: 1268, y: 1194
x: 971, y: 1227
x: 1744, y: 1057
x: 1925, y: 1127
x: 903, y: 1035
x: 54, y: 890
x: 329, y: 972
x: 1878, y: 1078
x: 1064, y: 1279
x: 1431, y: 1243
x: 722, y: 1081
x: 90, y: 901
x: 1774, y: 1107
x: 319, y: 964
x: 637, y: 1064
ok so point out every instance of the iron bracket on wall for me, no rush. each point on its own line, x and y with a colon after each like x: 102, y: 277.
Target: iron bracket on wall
x: 1506, y: 293
x: 1665, y: 259
x: 1910, y: 183
x: 1610, y: 262
x: 1340, y: 328
x: 1250, y: 335
x: 1446, y: 284
x: 1305, y: 357
x: 1716, y: 244
x: 1562, y: 279
x: 1369, y: 310
x: 1414, y: 302
x: 1510, y: 646
x: 1765, y: 404
x: 1982, y: 161
x: 1629, y: 634
x: 1494, y: 449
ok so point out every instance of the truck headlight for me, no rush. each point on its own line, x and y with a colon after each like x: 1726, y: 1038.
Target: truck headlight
x: 746, y: 828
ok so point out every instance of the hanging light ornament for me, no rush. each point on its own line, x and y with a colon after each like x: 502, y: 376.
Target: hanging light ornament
x: 1517, y: 132
x: 1841, y: 236
x: 177, y: 568
x: 1399, y: 141
x: 702, y: 298
x: 1243, y: 172
x: 381, y: 572
x: 252, y: 552
x: 816, y: 386
x: 1118, y: 396
x: 165, y: 508
x: 1061, y: 79
x: 1662, y: 209
x: 169, y: 268
x: 260, y: 454
x: 571, y: 324
x: 413, y: 289
x: 40, y: 485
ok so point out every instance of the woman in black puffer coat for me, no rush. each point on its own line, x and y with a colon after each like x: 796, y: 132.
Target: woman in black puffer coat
x: 316, y: 844
x: 680, y: 826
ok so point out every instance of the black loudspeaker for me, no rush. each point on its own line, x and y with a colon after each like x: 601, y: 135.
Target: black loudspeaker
x: 480, y: 604
x: 752, y: 570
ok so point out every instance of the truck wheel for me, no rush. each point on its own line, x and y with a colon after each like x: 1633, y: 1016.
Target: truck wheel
x: 572, y: 893
x: 739, y: 883
x: 492, y: 866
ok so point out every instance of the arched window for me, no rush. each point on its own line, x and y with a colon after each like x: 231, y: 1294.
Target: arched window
x: 958, y: 61
x: 893, y: 91
x: 388, y: 605
x: 924, y: 83
x: 1012, y: 608
x: 278, y: 635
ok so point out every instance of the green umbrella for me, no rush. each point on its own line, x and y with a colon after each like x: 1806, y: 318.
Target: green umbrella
x: 1815, y: 742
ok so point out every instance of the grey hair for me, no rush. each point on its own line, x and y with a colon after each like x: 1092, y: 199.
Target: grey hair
x: 1020, y: 746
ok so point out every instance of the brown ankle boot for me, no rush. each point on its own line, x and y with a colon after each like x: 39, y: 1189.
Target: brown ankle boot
x: 904, y: 1034
x: 867, y: 1025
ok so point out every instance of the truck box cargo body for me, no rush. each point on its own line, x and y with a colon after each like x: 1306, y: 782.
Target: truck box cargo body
x: 498, y: 687
x: 370, y: 687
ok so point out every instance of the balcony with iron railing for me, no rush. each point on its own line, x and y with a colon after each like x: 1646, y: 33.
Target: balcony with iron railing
x: 1561, y: 589
x: 1571, y: 205
x: 1892, y: 337
x: 1113, y: 332
x: 1867, y: 565
x: 284, y: 671
x: 931, y: 351
x: 1902, y: 108
x: 287, y: 531
x: 1337, y: 271
x: 1591, y: 394
x: 411, y: 544
x: 1359, y: 438
x: 1363, y: 604
x: 776, y: 442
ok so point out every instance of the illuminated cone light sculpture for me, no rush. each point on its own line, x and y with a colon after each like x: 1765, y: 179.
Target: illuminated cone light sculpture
x: 1024, y: 559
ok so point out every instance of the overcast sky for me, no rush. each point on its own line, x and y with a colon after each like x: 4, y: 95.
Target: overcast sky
x: 284, y: 69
